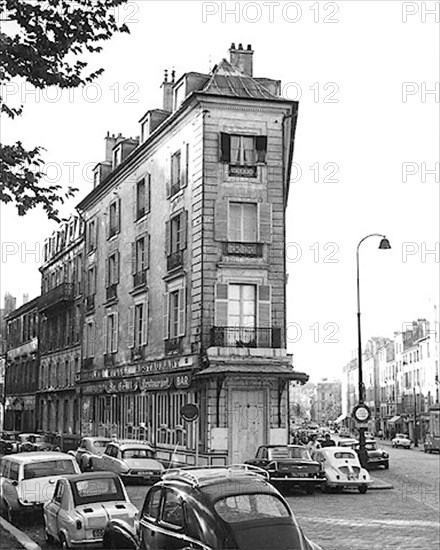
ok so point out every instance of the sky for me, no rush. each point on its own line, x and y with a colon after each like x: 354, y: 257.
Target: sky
x: 365, y: 160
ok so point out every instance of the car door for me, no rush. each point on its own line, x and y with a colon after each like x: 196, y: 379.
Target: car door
x: 149, y: 518
x: 106, y: 461
x: 171, y: 533
x: 52, y: 509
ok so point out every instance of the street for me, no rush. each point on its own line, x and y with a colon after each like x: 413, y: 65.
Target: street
x: 403, y: 517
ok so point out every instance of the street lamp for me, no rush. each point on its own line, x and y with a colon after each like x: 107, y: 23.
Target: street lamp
x: 383, y: 245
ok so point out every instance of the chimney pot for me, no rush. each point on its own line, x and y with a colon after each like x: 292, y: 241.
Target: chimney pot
x: 240, y: 46
x: 249, y: 47
x: 233, y: 46
x: 173, y: 74
x: 242, y: 59
x: 165, y: 79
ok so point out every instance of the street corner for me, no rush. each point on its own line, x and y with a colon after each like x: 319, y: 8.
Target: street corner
x: 14, y: 539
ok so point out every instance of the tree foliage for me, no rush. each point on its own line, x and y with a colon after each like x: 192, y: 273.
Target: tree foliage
x: 45, y: 43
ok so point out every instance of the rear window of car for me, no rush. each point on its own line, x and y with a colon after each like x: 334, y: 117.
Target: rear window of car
x: 279, y: 452
x: 344, y: 455
x: 297, y: 452
x: 137, y: 453
x: 251, y: 507
x: 48, y: 468
x: 103, y: 489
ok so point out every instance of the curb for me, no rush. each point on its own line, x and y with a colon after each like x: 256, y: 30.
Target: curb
x: 377, y: 485
x: 21, y: 537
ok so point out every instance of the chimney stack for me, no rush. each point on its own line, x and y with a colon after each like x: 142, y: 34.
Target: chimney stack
x: 25, y: 298
x: 242, y: 59
x: 168, y: 92
x: 110, y: 141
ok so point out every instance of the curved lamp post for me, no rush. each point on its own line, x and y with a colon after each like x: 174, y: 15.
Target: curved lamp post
x: 383, y: 245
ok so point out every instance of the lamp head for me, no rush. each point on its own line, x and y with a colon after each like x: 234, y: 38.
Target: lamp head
x: 384, y: 244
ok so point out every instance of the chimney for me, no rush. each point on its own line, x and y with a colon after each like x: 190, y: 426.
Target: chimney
x: 242, y: 59
x: 110, y: 141
x: 168, y: 92
x: 25, y: 298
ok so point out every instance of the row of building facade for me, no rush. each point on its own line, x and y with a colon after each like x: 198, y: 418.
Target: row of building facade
x: 401, y: 380
x: 168, y: 286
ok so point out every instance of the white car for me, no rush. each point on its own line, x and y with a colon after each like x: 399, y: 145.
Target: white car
x: 401, y: 440
x: 88, y: 447
x: 27, y: 480
x: 81, y: 507
x: 342, y: 469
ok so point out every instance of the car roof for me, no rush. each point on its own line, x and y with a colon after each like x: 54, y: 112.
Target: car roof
x: 73, y: 478
x: 213, y: 475
x: 129, y: 443
x: 97, y: 438
x: 37, y: 456
x: 334, y: 450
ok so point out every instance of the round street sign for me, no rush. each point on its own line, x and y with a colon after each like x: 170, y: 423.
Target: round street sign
x: 189, y: 412
x: 362, y: 413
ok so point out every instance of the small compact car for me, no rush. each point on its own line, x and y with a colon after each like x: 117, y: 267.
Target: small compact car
x: 8, y: 443
x: 401, y: 440
x: 33, y: 442
x: 342, y: 469
x: 88, y: 447
x: 81, y: 507
x: 289, y: 466
x: 132, y: 460
x: 27, y: 480
x: 375, y: 456
x: 214, y: 508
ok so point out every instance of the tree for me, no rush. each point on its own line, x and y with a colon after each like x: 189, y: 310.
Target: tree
x: 43, y: 38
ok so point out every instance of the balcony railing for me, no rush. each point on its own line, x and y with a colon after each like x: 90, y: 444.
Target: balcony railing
x: 254, y: 250
x: 111, y: 292
x: 173, y: 345
x: 243, y: 171
x: 246, y: 337
x: 140, y: 278
x: 61, y: 294
x: 175, y: 260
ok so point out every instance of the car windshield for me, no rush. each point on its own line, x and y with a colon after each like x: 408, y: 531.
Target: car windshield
x: 279, y: 452
x: 99, y: 489
x: 342, y: 455
x: 371, y: 446
x: 137, y: 453
x: 48, y: 468
x: 253, y: 507
x: 100, y: 444
x: 298, y: 452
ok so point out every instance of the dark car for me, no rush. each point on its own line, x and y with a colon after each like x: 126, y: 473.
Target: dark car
x: 289, y: 466
x: 30, y: 442
x: 216, y: 508
x: 8, y: 443
x: 375, y: 456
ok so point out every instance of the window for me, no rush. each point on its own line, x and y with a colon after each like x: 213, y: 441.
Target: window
x: 151, y: 508
x: 250, y: 507
x: 175, y: 172
x: 172, y: 510
x: 241, y: 306
x: 140, y: 324
x: 92, y: 235
x: 117, y: 156
x: 91, y: 281
x: 111, y: 333
x: 242, y: 225
x: 114, y: 218
x: 143, y: 197
x: 112, y: 270
x: 174, y: 313
x: 90, y: 339
x: 243, y: 151
x: 176, y: 230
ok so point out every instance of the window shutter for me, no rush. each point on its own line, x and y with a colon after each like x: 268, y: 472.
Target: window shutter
x: 147, y: 193
x: 221, y: 220
x: 93, y: 337
x: 221, y: 305
x: 184, y: 167
x: 98, y: 221
x: 182, y: 311
x: 107, y: 273
x: 108, y: 223
x: 145, y: 323
x: 115, y: 333
x: 133, y: 258
x: 184, y: 221
x: 119, y: 215
x: 225, y: 147
x: 168, y: 238
x: 170, y: 177
x: 147, y: 251
x: 166, y: 306
x: 265, y: 222
x: 106, y: 346
x: 117, y: 267
x: 264, y: 306
x: 134, y: 203
x: 131, y: 327
x: 261, y: 147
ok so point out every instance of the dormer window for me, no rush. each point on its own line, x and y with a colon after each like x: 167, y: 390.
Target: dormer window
x: 96, y: 178
x: 179, y: 95
x: 117, y: 156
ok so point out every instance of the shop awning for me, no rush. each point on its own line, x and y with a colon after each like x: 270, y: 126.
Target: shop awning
x: 281, y: 371
x: 340, y: 418
x: 394, y: 419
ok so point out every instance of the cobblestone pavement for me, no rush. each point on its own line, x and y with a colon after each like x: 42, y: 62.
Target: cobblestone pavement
x: 406, y: 517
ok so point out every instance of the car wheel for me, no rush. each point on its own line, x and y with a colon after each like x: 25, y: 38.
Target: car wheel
x: 11, y: 515
x: 362, y: 489
x: 63, y: 541
x: 47, y: 536
x: 387, y: 465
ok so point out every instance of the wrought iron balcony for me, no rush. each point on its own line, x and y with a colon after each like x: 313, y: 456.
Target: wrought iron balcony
x: 250, y: 250
x: 173, y: 345
x: 111, y: 292
x: 140, y: 278
x: 57, y: 296
x: 246, y: 337
x: 175, y: 260
x: 243, y: 171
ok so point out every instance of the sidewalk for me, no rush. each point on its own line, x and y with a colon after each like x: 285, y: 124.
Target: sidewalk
x: 379, y: 484
x: 12, y: 538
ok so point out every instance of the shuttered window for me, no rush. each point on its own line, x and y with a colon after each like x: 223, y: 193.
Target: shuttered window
x: 242, y: 225
x: 242, y: 150
x: 175, y: 313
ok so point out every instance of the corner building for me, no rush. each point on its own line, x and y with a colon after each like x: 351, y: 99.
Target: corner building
x: 185, y: 270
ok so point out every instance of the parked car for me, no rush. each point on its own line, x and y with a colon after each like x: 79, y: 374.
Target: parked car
x: 27, y: 480
x: 342, y: 469
x: 8, y: 443
x: 81, y: 507
x: 375, y: 456
x: 131, y: 459
x: 88, y: 447
x: 431, y: 443
x: 289, y: 466
x: 401, y: 440
x: 216, y: 508
x: 33, y: 442
x: 347, y: 442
